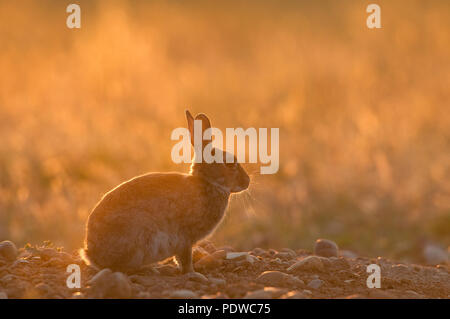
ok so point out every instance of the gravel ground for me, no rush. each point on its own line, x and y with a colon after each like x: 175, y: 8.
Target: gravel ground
x: 41, y: 272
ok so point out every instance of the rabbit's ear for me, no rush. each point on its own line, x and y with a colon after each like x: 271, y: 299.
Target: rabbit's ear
x: 206, y: 124
x: 190, y: 121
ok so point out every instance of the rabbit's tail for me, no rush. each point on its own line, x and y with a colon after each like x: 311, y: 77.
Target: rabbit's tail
x: 88, y: 261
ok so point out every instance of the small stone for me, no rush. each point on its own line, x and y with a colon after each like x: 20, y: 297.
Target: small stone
x: 310, y: 263
x: 275, y: 292
x: 228, y: 249
x: 434, y: 254
x: 107, y: 284
x: 219, y: 295
x: 43, y: 289
x: 102, y: 275
x: 348, y: 254
x: 197, y: 277
x: 315, y: 283
x: 219, y: 254
x: 183, y: 294
x: 167, y: 270
x: 217, y: 281
x: 307, y: 292
x: 143, y: 295
x: 236, y: 255
x: 3, y: 295
x: 47, y: 253
x: 325, y: 248
x: 277, y: 278
x: 65, y: 257
x: 77, y: 295
x: 251, y: 259
x: 336, y: 262
x: 291, y: 252
x: 294, y: 295
x: 8, y: 250
x: 208, y: 246
x: 355, y: 296
x: 282, y: 255
x: 20, y: 262
x: 208, y: 262
x: 266, y: 293
x: 54, y: 261
x: 7, y: 278
x: 198, y: 253
x: 414, y: 295
x: 259, y: 252
x: 277, y: 261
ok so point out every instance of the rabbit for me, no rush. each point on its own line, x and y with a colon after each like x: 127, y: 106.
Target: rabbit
x: 160, y: 215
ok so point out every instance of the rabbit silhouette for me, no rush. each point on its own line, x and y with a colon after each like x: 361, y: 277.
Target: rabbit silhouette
x: 159, y: 215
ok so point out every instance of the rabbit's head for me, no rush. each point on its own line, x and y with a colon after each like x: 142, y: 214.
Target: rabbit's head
x: 230, y: 176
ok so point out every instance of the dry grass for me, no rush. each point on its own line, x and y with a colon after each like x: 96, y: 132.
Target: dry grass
x: 363, y: 114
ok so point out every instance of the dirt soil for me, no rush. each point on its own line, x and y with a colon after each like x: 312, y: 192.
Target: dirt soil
x: 41, y: 272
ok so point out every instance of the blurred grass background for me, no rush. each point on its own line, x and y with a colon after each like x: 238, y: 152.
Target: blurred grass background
x: 363, y: 114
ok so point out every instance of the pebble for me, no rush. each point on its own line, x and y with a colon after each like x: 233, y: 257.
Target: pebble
x: 219, y: 254
x: 143, y: 295
x: 47, y: 253
x: 3, y: 295
x: 219, y: 295
x: 228, y: 249
x: 278, y: 278
x: 266, y: 293
x: 348, y: 254
x: 65, y: 257
x: 251, y: 259
x: 259, y: 252
x: 307, y: 292
x: 414, y: 295
x: 294, y: 295
x: 43, y: 289
x: 282, y: 255
x: 77, y: 295
x: 310, y: 263
x: 167, y: 270
x: 197, y: 277
x: 7, y: 278
x: 236, y: 255
x: 335, y: 262
x: 355, y: 296
x: 315, y: 283
x: 217, y: 281
x: 208, y: 246
x: 106, y: 284
x: 20, y: 262
x: 434, y: 254
x: 8, y: 250
x: 291, y: 252
x: 183, y: 294
x: 277, y: 261
x: 208, y: 262
x: 198, y: 253
x: 325, y: 248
